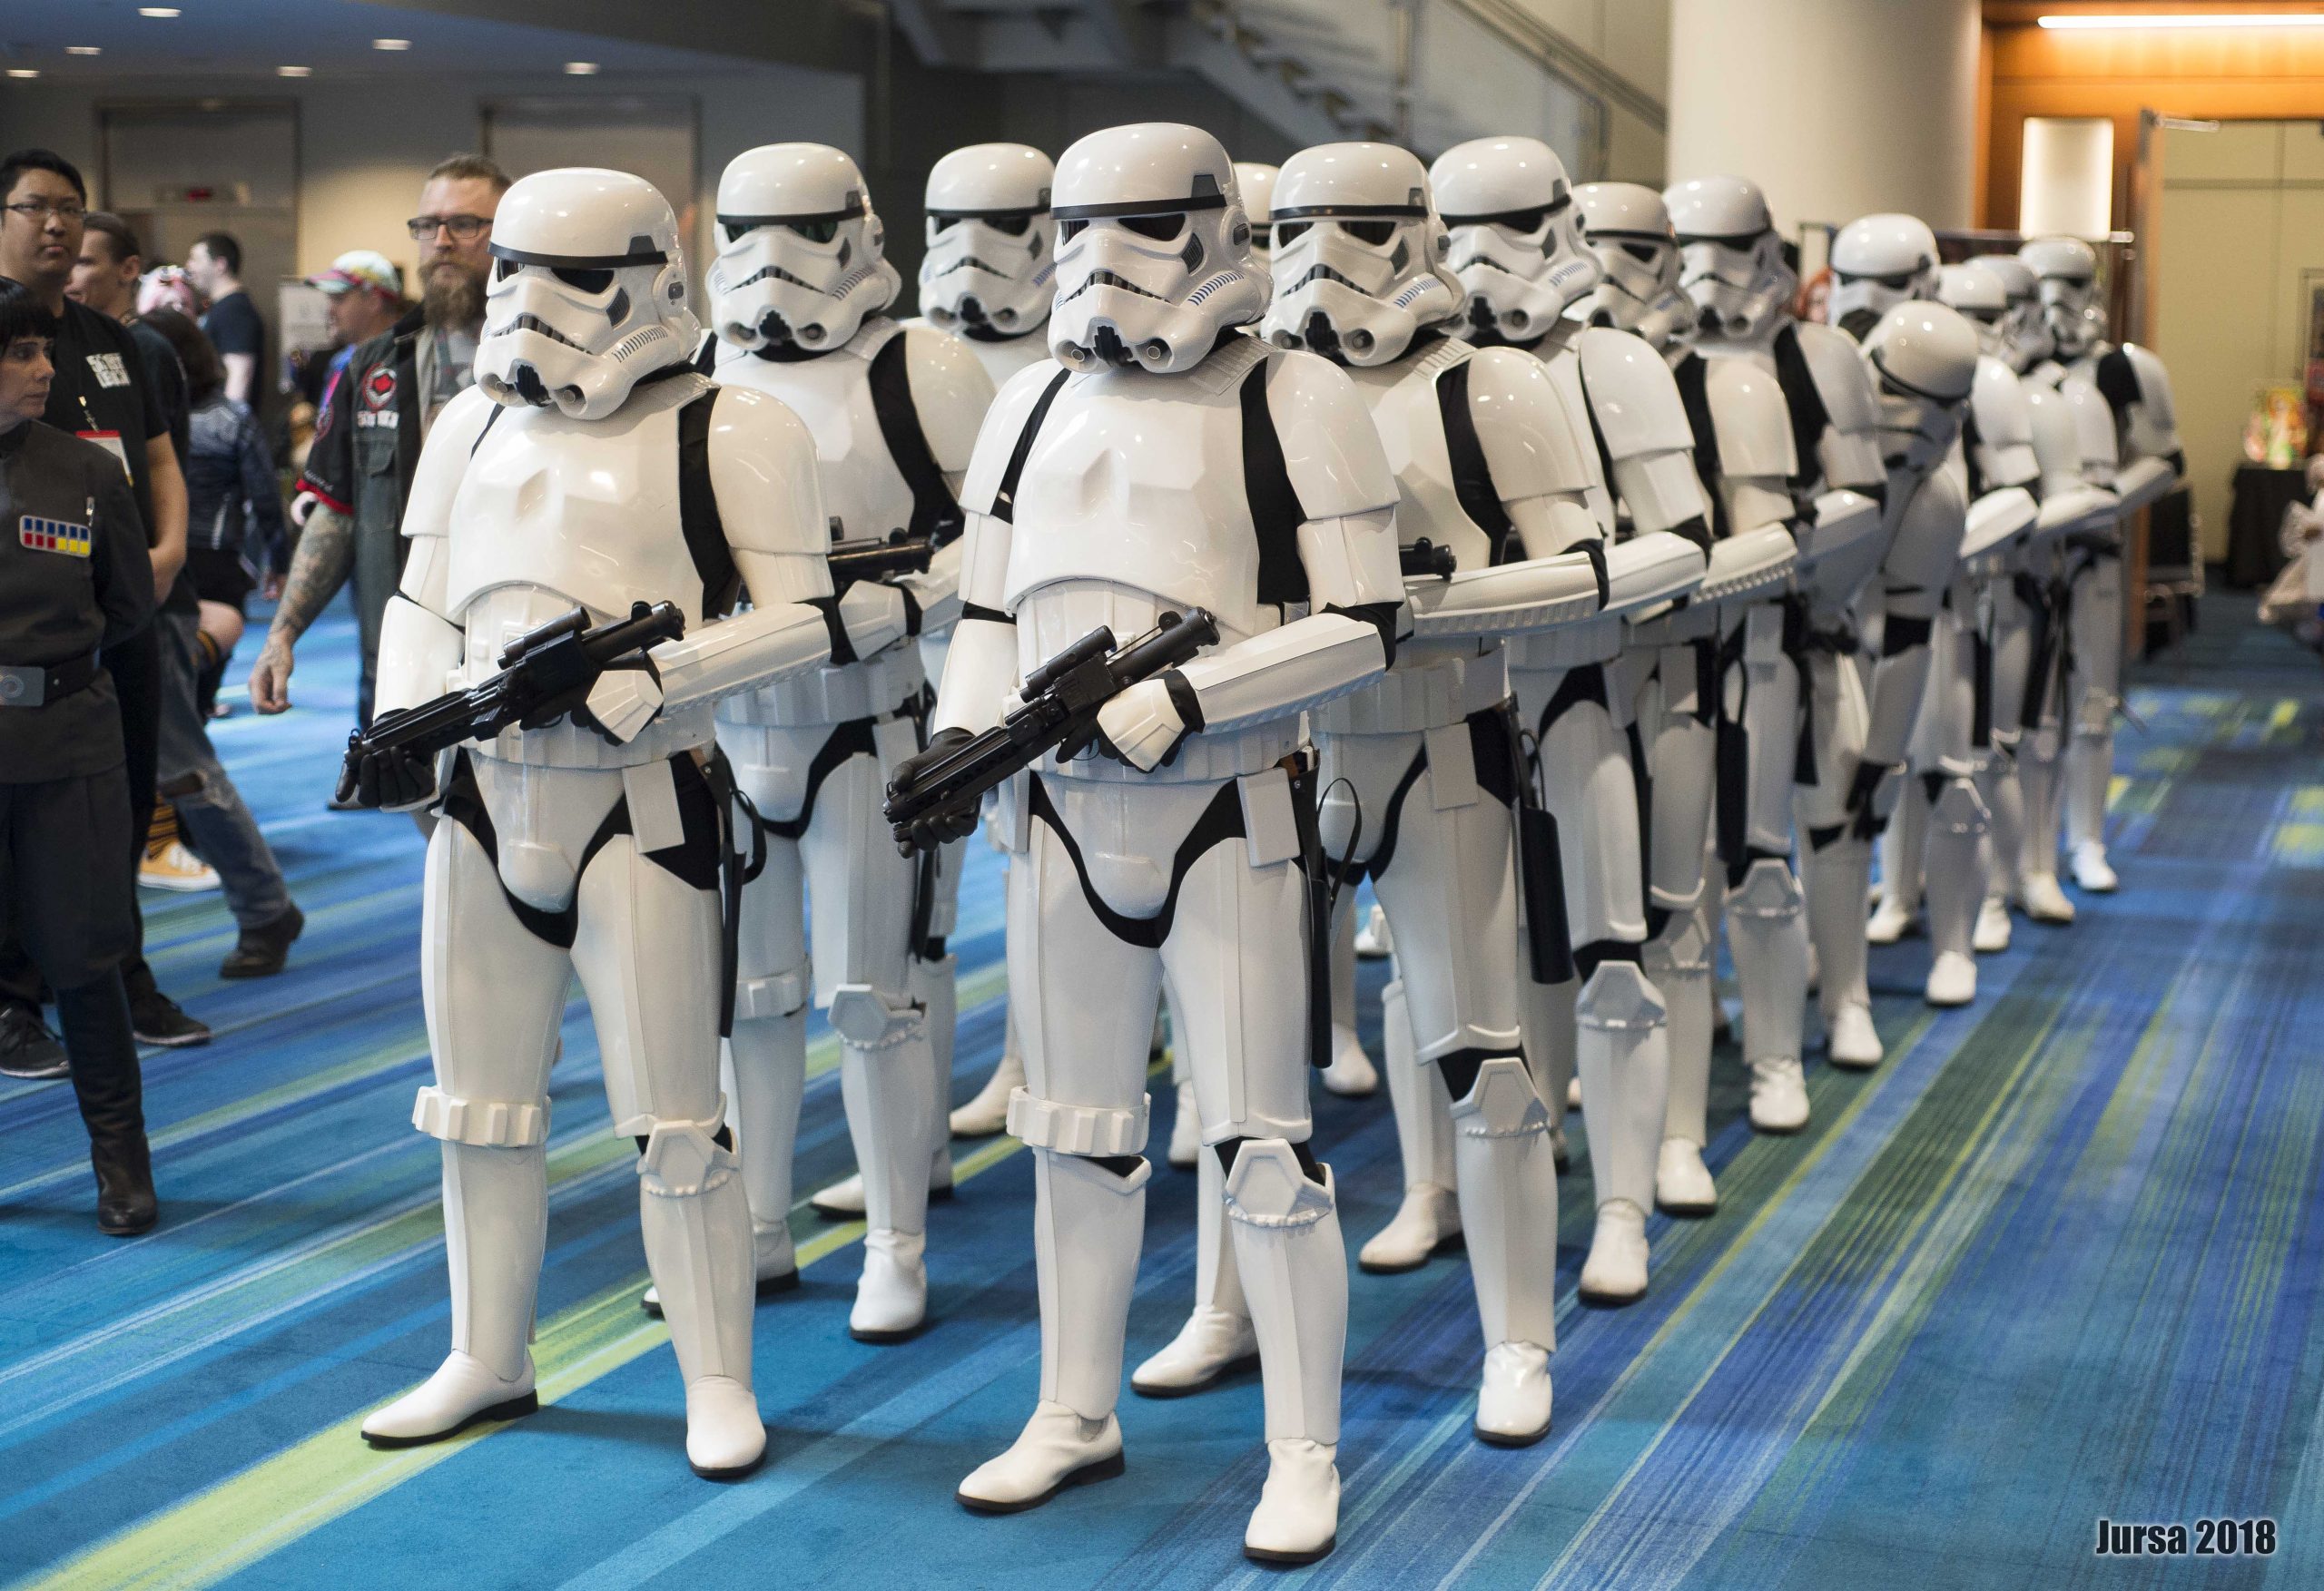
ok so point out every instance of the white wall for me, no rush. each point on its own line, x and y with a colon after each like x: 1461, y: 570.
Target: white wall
x: 365, y: 144
x: 1835, y: 108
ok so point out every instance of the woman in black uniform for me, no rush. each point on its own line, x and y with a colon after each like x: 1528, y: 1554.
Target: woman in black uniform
x: 74, y: 580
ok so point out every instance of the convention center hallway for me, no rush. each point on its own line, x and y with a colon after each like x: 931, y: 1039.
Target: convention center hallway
x: 2055, y: 1262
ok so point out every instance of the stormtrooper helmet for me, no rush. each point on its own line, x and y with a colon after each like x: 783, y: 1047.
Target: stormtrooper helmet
x: 2025, y: 342
x: 588, y: 293
x: 990, y: 259
x: 799, y: 262
x: 1731, y: 260
x: 1359, y: 254
x: 1878, y: 261
x: 1923, y: 359
x: 1517, y: 246
x: 1255, y: 180
x: 1977, y: 292
x: 2066, y: 269
x: 1628, y: 227
x: 1154, y: 259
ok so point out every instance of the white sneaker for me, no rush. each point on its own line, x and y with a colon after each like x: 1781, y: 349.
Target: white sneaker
x: 1682, y: 1183
x: 1055, y: 1449
x: 891, y: 1297
x: 1615, y: 1272
x: 1851, y: 1039
x: 1991, y: 936
x: 1778, y: 1095
x: 725, y: 1439
x: 987, y: 1112
x: 1350, y: 1074
x: 1428, y: 1219
x: 462, y: 1391
x: 1186, y: 1131
x: 174, y: 867
x: 1952, y: 979
x: 1372, y: 940
x: 1297, y: 1520
x: 1211, y: 1343
x: 2091, y: 870
x: 1891, y: 923
x: 1513, y: 1398
x: 2044, y: 901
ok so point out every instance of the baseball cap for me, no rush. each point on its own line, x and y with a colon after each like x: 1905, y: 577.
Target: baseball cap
x: 360, y: 269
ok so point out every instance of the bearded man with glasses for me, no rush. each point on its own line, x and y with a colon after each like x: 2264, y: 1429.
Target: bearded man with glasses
x: 373, y: 420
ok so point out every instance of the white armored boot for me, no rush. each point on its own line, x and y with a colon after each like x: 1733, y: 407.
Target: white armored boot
x: 987, y: 1112
x: 697, y: 1229
x: 1350, y: 1074
x: 1429, y: 1219
x: 1956, y: 889
x: 1767, y: 934
x: 765, y: 1068
x: 2004, y: 847
x: 1087, y: 1221
x: 1903, y: 848
x: 1838, y: 876
x: 1679, y: 962
x: 2037, y: 872
x: 1287, y: 1235
x: 1509, y: 1208
x: 884, y: 1068
x: 495, y: 1230
x: 1218, y: 1337
x: 933, y: 985
x: 2088, y: 770
x: 1622, y: 1053
x: 1545, y: 1017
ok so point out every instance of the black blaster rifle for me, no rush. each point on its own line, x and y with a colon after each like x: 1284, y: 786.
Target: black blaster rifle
x: 875, y: 557
x: 1061, y: 702
x: 1425, y: 559
x: 544, y: 675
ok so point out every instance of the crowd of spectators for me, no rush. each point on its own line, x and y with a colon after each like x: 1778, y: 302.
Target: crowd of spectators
x: 147, y: 444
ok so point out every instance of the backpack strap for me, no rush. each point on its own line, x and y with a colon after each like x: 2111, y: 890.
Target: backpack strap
x: 935, y: 513
x: 706, y: 530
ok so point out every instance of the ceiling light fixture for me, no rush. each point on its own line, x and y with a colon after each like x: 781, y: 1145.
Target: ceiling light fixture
x: 2094, y: 21
x: 294, y: 71
x: 391, y: 44
x: 84, y: 49
x: 24, y: 71
x: 580, y: 69
x: 163, y: 12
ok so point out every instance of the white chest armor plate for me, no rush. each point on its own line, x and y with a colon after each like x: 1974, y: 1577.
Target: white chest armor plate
x: 554, y: 513
x: 864, y: 491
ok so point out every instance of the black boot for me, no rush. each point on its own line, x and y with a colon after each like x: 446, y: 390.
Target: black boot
x: 110, y: 1090
x: 260, y: 951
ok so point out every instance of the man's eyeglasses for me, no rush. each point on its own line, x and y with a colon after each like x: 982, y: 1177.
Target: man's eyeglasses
x: 465, y: 229
x: 33, y: 209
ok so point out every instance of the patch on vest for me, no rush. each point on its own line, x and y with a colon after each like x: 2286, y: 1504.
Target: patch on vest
x: 53, y: 535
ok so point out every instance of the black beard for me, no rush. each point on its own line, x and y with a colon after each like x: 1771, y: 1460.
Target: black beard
x: 452, y: 297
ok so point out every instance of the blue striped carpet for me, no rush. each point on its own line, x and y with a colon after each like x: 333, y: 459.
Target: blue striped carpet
x: 2056, y: 1260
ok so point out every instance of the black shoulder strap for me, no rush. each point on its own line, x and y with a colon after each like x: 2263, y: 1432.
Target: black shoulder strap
x: 1597, y: 432
x: 2118, y: 382
x: 706, y: 530
x: 1472, y: 473
x: 1275, y: 511
x: 1809, y: 418
x: 934, y: 512
x: 1693, y: 376
x: 1004, y: 499
x: 705, y: 357
x: 1970, y: 441
x: 485, y: 430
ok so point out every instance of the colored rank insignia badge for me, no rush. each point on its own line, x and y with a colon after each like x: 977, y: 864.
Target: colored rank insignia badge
x: 53, y: 535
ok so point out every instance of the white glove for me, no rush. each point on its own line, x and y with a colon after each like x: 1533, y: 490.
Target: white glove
x: 1143, y: 723
x: 623, y: 703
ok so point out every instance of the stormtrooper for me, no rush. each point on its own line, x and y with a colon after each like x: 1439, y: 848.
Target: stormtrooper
x: 1256, y: 180
x: 1939, y: 836
x: 590, y: 468
x: 1671, y: 667
x: 2148, y: 464
x: 1518, y: 253
x: 1422, y: 772
x: 988, y: 277
x: 1787, y: 434
x: 1172, y: 463
x: 796, y: 293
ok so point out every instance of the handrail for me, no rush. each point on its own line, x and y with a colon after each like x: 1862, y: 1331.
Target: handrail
x: 1561, y: 57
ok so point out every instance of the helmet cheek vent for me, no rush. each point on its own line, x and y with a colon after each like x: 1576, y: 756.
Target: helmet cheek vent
x: 846, y: 253
x: 617, y: 311
x: 1191, y: 256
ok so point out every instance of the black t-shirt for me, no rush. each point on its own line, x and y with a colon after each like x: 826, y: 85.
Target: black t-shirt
x: 168, y: 376
x: 232, y: 326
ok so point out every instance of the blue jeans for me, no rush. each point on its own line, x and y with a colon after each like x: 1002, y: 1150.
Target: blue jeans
x: 210, y: 808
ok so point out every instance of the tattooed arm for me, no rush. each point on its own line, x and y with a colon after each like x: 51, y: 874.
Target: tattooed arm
x: 318, y: 567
